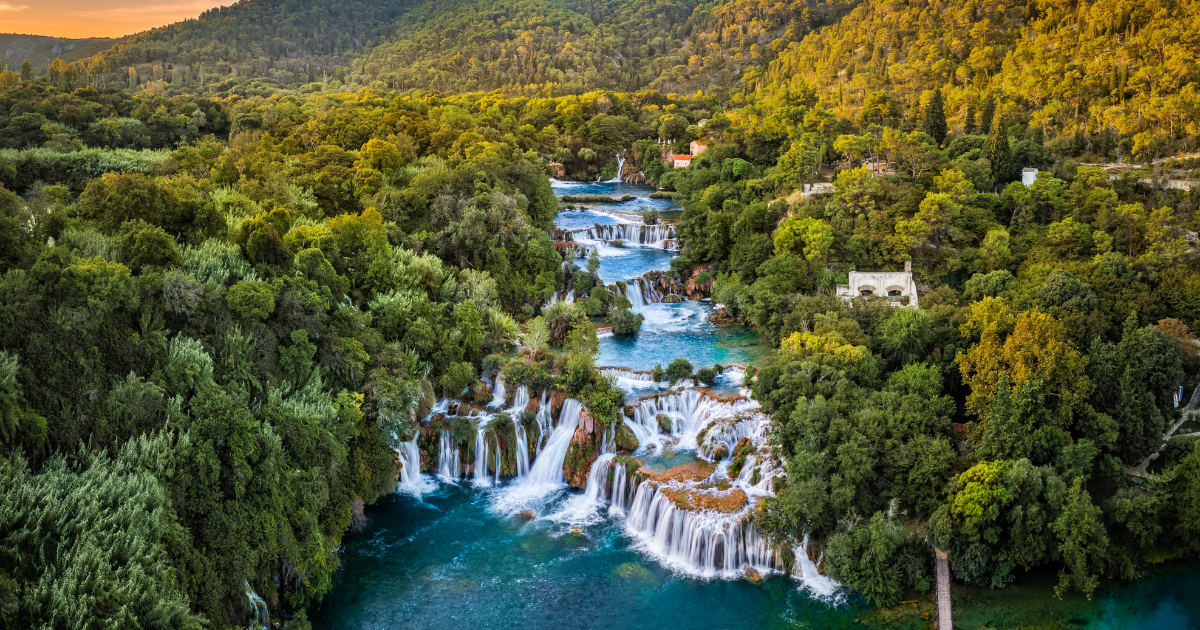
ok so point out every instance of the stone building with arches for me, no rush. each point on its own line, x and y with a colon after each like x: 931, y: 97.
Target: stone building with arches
x: 897, y: 286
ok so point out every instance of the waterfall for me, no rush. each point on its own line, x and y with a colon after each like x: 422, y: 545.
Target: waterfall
x: 547, y: 467
x: 410, y: 458
x: 619, y: 503
x: 620, y: 167
x: 709, y: 544
x: 498, y: 394
x: 821, y: 586
x: 520, y: 401
x: 597, y: 481
x: 261, y: 616
x: 569, y: 298
x: 633, y: 292
x: 545, y: 422
x: 522, y: 450
x: 481, y: 454
x: 627, y: 375
x: 655, y: 235
x: 448, y: 464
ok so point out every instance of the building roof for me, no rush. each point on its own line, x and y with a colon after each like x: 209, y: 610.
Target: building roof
x: 683, y: 158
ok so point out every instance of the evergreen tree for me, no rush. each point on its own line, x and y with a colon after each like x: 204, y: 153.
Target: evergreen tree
x: 999, y: 153
x: 987, y: 110
x: 26, y: 71
x: 969, y: 123
x: 934, y: 120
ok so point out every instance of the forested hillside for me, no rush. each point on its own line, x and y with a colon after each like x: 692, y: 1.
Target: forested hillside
x: 42, y: 51
x: 550, y: 46
x: 1105, y: 74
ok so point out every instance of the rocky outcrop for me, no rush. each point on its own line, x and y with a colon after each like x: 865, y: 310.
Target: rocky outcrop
x: 696, y: 290
x: 625, y: 438
x: 752, y: 574
x: 557, y: 398
x: 721, y: 317
x: 557, y: 170
x: 583, y: 450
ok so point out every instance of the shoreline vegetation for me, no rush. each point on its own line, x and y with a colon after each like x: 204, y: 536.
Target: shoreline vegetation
x: 240, y: 265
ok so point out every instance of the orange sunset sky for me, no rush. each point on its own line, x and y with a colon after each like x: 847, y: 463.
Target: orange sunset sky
x: 96, y: 18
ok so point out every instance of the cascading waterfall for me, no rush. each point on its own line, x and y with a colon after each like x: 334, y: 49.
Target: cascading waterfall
x: 707, y: 543
x: 481, y: 454
x: 805, y: 570
x: 410, y: 458
x: 520, y: 401
x: 498, y: 394
x: 633, y: 292
x: 630, y: 233
x: 547, y: 466
x: 261, y: 617
x: 545, y: 423
x: 620, y: 167
x: 619, y: 502
x: 597, y: 481
x: 449, y: 467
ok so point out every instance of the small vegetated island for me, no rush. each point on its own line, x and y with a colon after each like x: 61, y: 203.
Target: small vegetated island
x: 292, y: 329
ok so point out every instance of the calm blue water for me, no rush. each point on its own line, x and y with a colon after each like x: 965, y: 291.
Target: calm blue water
x: 641, y: 192
x: 680, y: 330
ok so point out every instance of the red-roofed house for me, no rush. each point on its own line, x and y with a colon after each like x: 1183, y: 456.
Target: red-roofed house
x: 698, y: 147
x: 682, y: 161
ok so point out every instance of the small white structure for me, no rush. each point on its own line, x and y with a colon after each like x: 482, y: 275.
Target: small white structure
x: 697, y: 147
x: 893, y: 285
x: 681, y: 161
x: 1028, y: 176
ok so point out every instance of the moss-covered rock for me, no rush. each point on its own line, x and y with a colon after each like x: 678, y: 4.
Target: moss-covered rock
x: 625, y: 439
x: 582, y: 451
x: 721, y: 452
x: 634, y: 572
x: 664, y: 423
x: 752, y: 575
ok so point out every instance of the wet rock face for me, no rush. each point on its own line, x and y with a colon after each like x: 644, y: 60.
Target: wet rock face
x: 534, y: 406
x: 582, y: 451
x: 557, y: 398
x: 721, y: 452
x: 664, y: 422
x: 752, y: 574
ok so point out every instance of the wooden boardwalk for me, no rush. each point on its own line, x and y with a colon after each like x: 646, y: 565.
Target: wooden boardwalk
x: 945, y: 616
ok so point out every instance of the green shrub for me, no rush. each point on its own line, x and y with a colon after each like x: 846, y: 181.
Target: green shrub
x: 252, y: 300
x: 708, y: 376
x: 679, y: 368
x: 624, y: 321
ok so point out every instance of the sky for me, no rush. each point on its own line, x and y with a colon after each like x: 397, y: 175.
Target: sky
x: 96, y: 18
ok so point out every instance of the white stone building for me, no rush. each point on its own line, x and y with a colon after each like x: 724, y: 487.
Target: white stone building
x: 893, y: 285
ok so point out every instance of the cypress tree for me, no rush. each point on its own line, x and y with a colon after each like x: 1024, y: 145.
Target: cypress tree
x: 999, y: 153
x: 987, y: 111
x: 934, y: 120
x: 969, y: 123
x: 26, y: 72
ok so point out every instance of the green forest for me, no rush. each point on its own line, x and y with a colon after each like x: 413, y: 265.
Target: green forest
x: 242, y: 256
